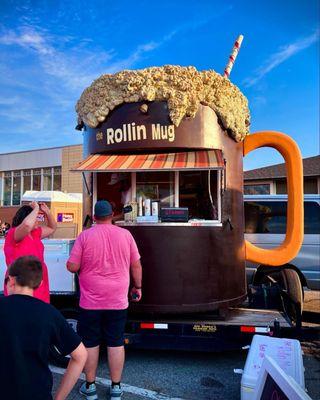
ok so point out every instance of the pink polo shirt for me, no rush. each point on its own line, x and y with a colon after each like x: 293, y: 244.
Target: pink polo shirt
x: 104, y: 253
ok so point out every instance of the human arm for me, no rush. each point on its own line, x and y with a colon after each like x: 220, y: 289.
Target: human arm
x: 65, y: 339
x: 136, y: 274
x: 73, y: 371
x: 74, y: 262
x: 72, y: 267
x: 27, y: 224
x: 51, y: 226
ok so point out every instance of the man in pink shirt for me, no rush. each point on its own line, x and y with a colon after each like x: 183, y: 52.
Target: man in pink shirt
x: 104, y: 256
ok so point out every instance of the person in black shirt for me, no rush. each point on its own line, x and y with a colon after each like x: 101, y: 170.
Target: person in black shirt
x: 28, y: 328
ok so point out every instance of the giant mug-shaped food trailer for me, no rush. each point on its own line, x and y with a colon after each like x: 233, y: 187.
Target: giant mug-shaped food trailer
x: 175, y: 138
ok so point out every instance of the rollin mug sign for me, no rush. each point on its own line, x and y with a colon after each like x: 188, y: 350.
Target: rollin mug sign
x: 133, y: 133
x: 128, y: 129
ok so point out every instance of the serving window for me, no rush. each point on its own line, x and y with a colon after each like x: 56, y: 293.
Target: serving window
x: 197, y: 190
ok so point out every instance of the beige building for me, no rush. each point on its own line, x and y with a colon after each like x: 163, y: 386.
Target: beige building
x: 71, y: 182
x: 41, y: 170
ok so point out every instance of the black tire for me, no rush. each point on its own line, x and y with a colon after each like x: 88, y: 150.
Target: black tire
x: 56, y: 358
x: 293, y: 304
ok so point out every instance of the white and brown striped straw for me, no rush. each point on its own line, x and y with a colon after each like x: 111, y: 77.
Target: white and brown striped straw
x: 233, y: 56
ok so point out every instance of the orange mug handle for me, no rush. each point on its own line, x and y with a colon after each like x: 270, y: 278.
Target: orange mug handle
x: 294, y: 232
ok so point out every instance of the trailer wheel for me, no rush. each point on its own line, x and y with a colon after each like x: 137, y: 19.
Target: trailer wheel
x: 56, y: 358
x: 291, y: 284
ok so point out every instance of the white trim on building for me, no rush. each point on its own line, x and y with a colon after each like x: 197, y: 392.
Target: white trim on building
x: 31, y: 159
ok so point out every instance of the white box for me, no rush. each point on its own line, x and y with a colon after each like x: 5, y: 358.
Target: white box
x: 148, y: 219
x: 285, y: 352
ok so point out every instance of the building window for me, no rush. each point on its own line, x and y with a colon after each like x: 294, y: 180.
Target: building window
x: 47, y: 179
x: 281, y: 186
x: 16, y: 188
x: 7, y: 189
x: 310, y: 186
x: 57, y: 178
x: 36, y: 185
x: 26, y: 180
x: 257, y: 189
x: 36, y: 179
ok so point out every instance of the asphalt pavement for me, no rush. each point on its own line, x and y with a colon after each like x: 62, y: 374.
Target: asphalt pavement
x: 163, y: 375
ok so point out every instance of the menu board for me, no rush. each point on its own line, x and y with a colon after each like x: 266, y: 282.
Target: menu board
x: 280, y: 350
x: 274, y: 384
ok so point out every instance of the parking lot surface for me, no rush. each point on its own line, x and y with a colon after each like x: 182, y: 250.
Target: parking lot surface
x: 162, y: 375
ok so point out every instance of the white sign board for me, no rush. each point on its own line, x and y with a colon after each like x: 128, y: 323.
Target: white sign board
x: 274, y: 384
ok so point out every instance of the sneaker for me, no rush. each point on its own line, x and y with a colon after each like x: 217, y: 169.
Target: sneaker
x: 90, y: 393
x: 115, y: 392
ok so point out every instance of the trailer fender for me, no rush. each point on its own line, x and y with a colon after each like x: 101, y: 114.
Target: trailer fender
x: 263, y: 270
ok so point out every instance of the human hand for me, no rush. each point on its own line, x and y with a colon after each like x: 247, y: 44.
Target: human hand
x: 135, y: 294
x: 34, y: 205
x: 44, y: 208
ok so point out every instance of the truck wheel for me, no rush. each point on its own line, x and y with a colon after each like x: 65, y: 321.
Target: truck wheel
x: 291, y: 283
x: 56, y: 358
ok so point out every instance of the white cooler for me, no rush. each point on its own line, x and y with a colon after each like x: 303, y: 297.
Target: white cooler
x: 56, y: 254
x: 285, y: 352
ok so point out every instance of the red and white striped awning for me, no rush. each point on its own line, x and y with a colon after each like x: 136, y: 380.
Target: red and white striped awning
x: 204, y: 159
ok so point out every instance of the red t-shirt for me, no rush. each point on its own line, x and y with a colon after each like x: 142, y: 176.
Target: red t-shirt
x: 31, y: 245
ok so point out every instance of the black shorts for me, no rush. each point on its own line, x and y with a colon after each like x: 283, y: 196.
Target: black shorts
x: 102, y: 326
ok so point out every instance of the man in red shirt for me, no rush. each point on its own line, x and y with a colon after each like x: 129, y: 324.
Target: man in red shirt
x: 104, y: 256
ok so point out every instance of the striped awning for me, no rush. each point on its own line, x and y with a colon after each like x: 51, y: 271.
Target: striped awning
x: 204, y: 159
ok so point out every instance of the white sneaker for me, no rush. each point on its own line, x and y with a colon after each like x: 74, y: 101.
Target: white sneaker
x: 90, y: 393
x: 115, y: 392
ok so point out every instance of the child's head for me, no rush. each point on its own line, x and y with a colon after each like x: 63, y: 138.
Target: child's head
x: 24, y: 272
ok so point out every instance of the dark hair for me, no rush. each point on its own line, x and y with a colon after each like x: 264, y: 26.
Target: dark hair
x: 21, y: 214
x: 27, y: 271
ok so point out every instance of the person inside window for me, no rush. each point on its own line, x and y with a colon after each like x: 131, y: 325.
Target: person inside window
x: 121, y: 185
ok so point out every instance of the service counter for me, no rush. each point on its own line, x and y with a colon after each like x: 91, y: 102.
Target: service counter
x: 186, y: 267
x: 172, y: 224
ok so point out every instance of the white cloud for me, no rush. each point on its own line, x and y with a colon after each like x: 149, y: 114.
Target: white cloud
x: 27, y: 38
x: 49, y: 87
x: 280, y: 56
x: 58, y: 69
x: 76, y: 67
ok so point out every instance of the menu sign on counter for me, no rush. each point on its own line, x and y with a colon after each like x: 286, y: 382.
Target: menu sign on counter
x: 174, y: 214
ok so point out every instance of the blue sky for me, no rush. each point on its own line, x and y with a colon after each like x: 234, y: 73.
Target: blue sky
x: 51, y: 50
